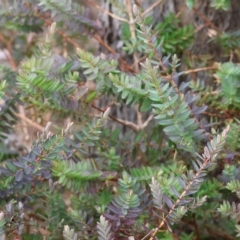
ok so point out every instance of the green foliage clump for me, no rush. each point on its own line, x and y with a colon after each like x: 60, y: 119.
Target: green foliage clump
x: 175, y: 39
x: 229, y: 75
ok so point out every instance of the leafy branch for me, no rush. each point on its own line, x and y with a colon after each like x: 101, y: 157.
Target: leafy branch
x: 191, y: 182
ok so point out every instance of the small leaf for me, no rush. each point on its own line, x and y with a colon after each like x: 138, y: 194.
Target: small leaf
x: 199, y: 110
x: 175, y: 192
x: 182, y: 183
x: 169, y: 129
x: 168, y: 201
x: 27, y: 169
x: 19, y: 175
x: 138, y: 136
x: 183, y: 85
x: 145, y: 105
x: 11, y: 167
x: 91, y: 96
x: 185, y: 201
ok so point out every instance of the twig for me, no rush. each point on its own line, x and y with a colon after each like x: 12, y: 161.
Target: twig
x: 107, y: 12
x: 200, y: 69
x: 25, y: 129
x: 139, y: 60
x: 231, y: 56
x: 131, y: 19
x: 212, y: 93
x: 151, y: 7
x: 29, y: 121
x: 147, y: 234
x: 147, y: 121
x: 66, y: 37
x: 131, y: 125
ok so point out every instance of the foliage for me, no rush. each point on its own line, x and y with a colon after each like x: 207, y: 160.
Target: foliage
x: 229, y: 41
x: 217, y: 4
x: 174, y: 38
x: 229, y: 75
x: 165, y: 170
x: 221, y: 4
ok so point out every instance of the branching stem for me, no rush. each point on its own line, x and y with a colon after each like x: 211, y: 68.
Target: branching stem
x: 206, y: 160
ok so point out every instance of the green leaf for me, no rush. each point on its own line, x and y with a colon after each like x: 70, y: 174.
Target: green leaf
x: 139, y: 136
x: 91, y: 96
x: 190, y: 4
x: 145, y: 105
x: 11, y: 167
x: 126, y: 34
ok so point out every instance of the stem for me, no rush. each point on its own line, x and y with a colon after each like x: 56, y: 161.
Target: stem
x: 200, y: 69
x: 128, y: 124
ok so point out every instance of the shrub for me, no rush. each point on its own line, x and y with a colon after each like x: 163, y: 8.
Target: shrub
x: 169, y: 175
